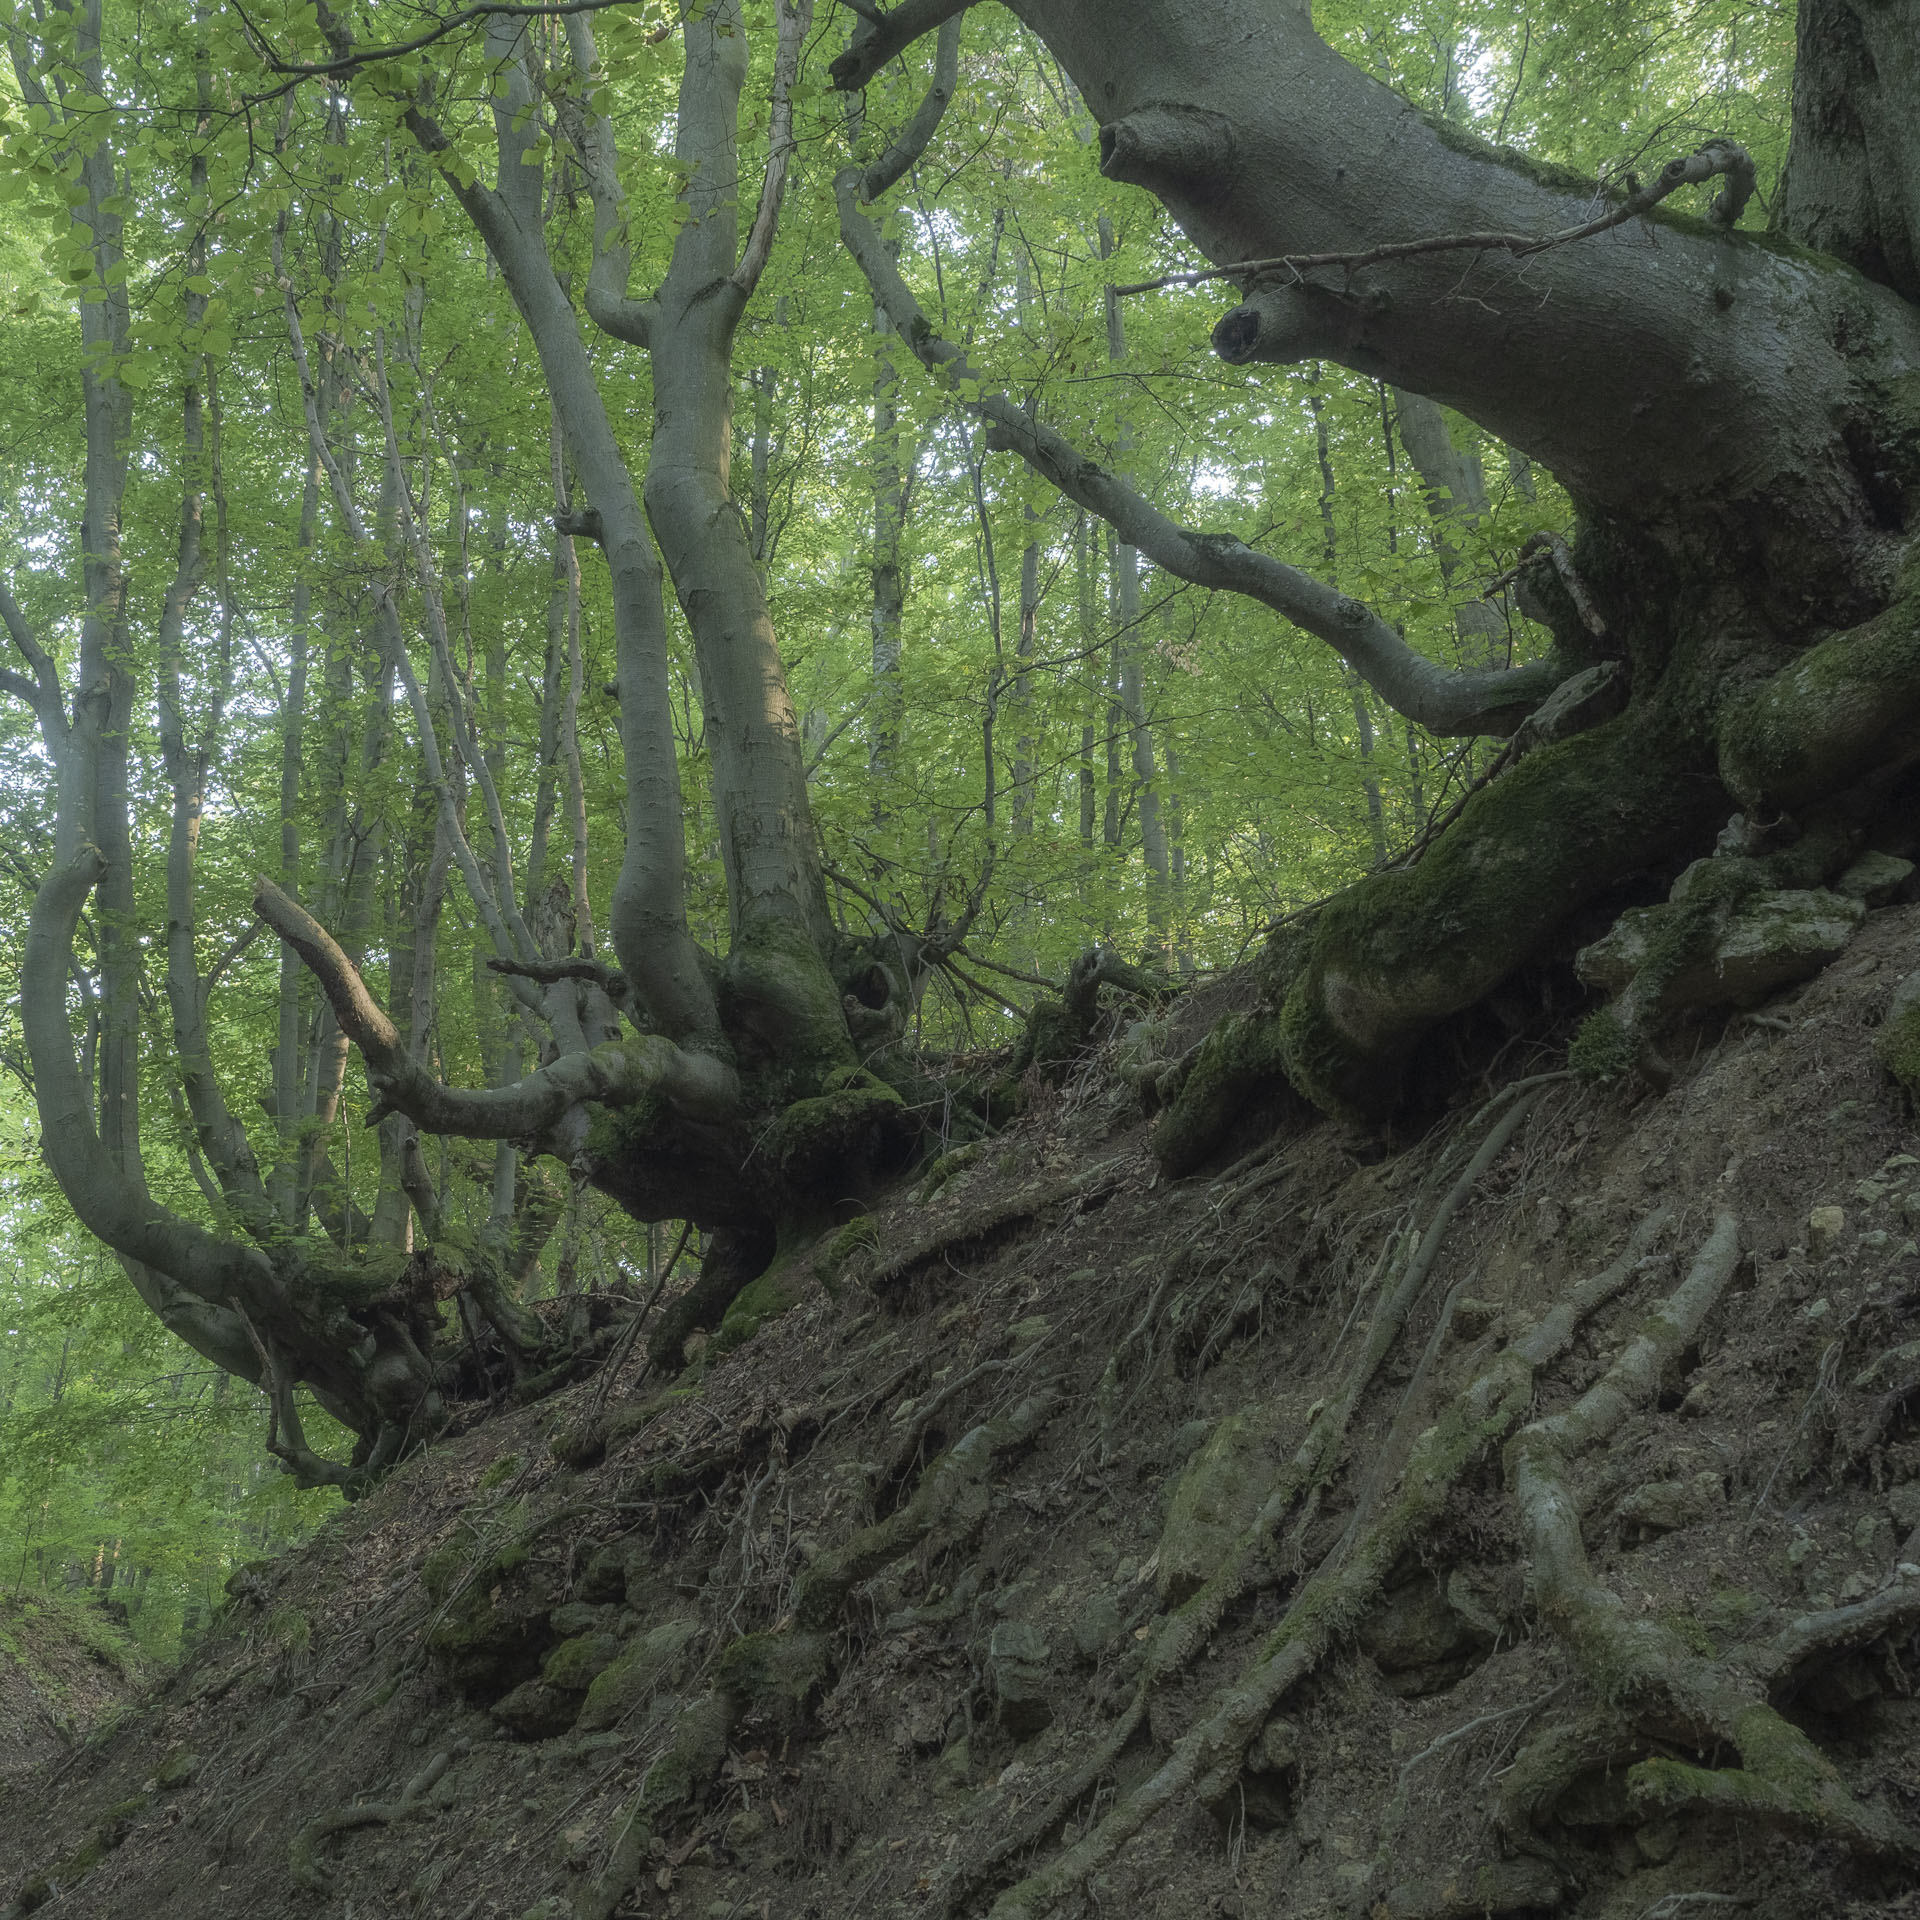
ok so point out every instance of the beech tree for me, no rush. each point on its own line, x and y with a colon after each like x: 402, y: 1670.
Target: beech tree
x: 1730, y: 631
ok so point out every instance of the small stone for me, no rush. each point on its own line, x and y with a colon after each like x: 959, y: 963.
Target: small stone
x: 1472, y: 1318
x: 1699, y: 1401
x: 745, y: 1828
x: 1904, y: 1504
x: 954, y: 1769
x: 536, y: 1711
x: 1817, y: 1309
x: 1096, y: 1624
x: 1017, y: 1658
x: 1214, y: 1501
x: 1665, y: 1506
x: 1825, y: 1225
x: 1657, y: 1843
x: 1856, y: 1586
x: 1029, y: 1332
x: 1277, y: 1748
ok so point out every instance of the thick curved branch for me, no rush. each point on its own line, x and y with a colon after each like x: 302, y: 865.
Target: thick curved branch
x: 1717, y: 158
x: 913, y: 137
x: 104, y: 1199
x: 1489, y: 701
x: 698, y: 1085
x: 591, y: 136
x: 42, y: 693
x: 880, y: 36
x: 795, y: 17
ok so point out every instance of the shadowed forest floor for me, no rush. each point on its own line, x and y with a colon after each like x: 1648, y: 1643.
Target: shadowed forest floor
x: 1252, y: 1544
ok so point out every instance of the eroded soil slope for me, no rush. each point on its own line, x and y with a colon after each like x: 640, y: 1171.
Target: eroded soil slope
x: 1520, y: 1521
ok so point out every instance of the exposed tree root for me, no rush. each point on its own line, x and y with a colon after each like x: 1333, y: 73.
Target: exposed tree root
x: 1643, y: 1667
x: 1183, y: 1635
x: 1211, y: 1754
x: 693, y: 1756
x: 311, y: 1872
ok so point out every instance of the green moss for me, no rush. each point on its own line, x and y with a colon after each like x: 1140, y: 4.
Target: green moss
x: 948, y: 1166
x: 441, y: 1570
x: 653, y: 1661
x: 1601, y: 1049
x: 1897, y: 1046
x: 851, y: 1123
x: 575, y: 1664
x: 1544, y: 173
x: 1838, y: 712
x: 783, y: 1285
x: 855, y: 1238
x: 1404, y: 949
x: 642, y: 1125
x: 500, y: 1472
x: 777, y: 991
x: 776, y: 1673
x: 1242, y: 1058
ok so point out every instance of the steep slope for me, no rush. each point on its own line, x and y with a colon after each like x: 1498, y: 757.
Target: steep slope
x: 1524, y: 1521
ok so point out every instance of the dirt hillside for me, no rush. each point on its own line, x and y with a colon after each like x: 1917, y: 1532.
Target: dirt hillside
x: 1524, y: 1520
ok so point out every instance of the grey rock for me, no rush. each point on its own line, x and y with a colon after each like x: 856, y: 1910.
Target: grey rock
x: 1665, y: 1506
x: 1875, y: 878
x: 1773, y: 941
x: 1017, y: 1657
x: 1096, y: 1624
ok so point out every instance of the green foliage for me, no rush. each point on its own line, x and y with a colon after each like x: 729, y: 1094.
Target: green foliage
x: 1014, y: 752
x: 130, y: 1470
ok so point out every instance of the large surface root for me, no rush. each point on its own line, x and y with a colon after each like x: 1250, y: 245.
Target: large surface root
x: 1211, y: 1755
x: 1642, y: 1667
x: 1252, y: 1558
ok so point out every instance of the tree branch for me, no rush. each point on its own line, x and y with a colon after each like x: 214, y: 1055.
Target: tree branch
x: 914, y: 136
x: 882, y: 35
x: 104, y: 1199
x: 616, y: 1074
x: 1487, y: 701
x: 795, y: 17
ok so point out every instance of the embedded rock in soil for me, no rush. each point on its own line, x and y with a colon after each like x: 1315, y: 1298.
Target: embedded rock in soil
x: 1420, y: 1642
x: 575, y: 1664
x: 536, y: 1710
x: 650, y: 1663
x: 1875, y: 878
x: 1773, y: 941
x: 490, y: 1640
x: 1665, y: 1506
x: 1017, y: 1659
x: 1096, y: 1624
x: 1215, y: 1501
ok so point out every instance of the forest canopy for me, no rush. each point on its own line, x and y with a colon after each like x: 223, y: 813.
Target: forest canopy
x: 622, y: 615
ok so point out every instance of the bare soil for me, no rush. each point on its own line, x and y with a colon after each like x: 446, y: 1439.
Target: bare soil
x: 1774, y: 1477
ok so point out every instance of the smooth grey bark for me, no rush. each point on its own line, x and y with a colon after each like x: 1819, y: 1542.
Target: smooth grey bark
x: 1330, y: 558
x: 1711, y: 375
x: 1127, y: 645
x: 648, y: 921
x: 759, y: 779
x: 887, y: 574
